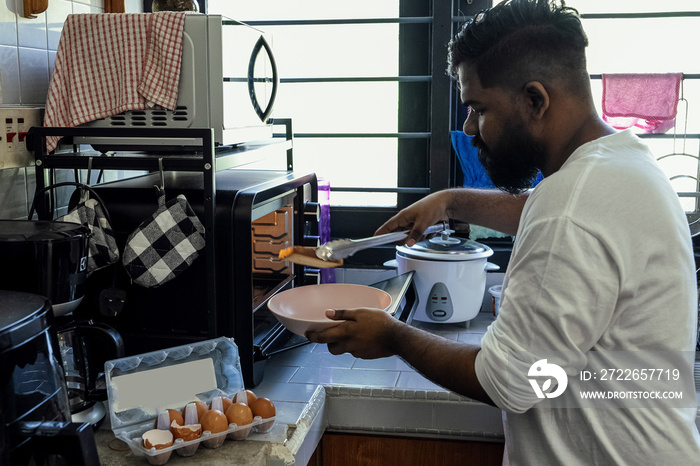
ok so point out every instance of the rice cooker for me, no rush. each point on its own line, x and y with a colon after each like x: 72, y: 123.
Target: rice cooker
x: 450, y: 276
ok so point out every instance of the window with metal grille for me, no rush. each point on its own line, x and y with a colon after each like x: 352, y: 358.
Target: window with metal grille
x: 365, y: 85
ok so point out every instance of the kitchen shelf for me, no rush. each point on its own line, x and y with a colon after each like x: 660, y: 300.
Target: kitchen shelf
x: 206, y: 159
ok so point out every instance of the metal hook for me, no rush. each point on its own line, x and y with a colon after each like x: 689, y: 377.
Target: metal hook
x: 161, y: 188
x: 89, y: 171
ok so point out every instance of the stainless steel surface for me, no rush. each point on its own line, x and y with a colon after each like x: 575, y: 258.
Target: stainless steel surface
x: 342, y: 248
x: 446, y: 248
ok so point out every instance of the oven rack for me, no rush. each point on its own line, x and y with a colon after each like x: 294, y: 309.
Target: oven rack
x: 207, y: 160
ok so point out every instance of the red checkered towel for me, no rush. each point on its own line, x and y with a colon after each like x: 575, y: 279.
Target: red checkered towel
x: 109, y: 63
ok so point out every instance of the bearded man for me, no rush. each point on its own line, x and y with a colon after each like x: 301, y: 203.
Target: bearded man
x: 602, y: 264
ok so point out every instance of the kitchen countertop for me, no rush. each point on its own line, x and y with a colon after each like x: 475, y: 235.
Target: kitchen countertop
x: 315, y: 391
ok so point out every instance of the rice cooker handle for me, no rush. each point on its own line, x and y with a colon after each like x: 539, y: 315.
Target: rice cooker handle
x: 491, y: 267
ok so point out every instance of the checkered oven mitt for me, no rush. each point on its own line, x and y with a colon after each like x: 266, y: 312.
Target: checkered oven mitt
x: 102, y: 247
x: 164, y: 245
x: 92, y: 213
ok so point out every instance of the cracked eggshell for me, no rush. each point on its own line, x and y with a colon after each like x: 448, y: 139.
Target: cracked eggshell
x: 157, y: 438
x: 187, y: 432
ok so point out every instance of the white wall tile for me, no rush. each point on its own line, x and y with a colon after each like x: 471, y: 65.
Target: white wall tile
x: 133, y: 6
x: 56, y: 15
x: 9, y: 75
x: 87, y: 8
x: 52, y: 59
x: 81, y: 8
x: 27, y: 54
x: 8, y: 25
x: 13, y: 197
x: 31, y: 32
x: 30, y: 180
x: 34, y: 70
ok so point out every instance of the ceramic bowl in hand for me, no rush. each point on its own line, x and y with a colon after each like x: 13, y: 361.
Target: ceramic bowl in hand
x: 304, y: 308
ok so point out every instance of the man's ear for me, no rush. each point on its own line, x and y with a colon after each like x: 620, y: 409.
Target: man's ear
x: 537, y: 98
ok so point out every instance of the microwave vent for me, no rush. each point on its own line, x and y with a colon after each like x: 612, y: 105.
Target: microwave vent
x: 180, y: 117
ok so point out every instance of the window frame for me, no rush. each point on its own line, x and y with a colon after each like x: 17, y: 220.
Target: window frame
x: 432, y: 166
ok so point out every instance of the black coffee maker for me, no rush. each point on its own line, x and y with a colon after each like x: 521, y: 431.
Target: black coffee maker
x: 85, y: 346
x: 49, y: 258
x: 35, y: 417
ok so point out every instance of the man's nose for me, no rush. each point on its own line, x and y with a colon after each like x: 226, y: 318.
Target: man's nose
x: 470, y: 127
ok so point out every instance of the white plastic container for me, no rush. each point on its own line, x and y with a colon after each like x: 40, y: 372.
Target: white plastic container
x: 496, y: 298
x: 140, y: 387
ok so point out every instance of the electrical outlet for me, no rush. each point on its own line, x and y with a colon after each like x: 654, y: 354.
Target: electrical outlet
x: 15, y: 122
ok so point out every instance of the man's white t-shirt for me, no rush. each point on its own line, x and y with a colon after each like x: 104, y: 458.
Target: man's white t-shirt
x: 602, y: 261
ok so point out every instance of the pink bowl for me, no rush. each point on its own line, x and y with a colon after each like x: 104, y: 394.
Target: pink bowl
x: 302, y: 309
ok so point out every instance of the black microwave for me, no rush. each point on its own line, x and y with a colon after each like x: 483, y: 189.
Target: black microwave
x: 258, y: 213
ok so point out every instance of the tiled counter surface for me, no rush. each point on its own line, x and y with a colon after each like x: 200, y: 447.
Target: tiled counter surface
x: 315, y: 391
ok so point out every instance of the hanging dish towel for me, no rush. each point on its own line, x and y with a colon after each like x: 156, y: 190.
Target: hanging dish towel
x: 648, y: 101
x: 164, y: 245
x: 110, y: 63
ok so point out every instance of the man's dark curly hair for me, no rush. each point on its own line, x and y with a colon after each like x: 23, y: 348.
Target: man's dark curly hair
x: 518, y: 41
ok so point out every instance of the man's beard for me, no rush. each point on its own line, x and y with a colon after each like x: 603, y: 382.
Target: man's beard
x: 513, y: 162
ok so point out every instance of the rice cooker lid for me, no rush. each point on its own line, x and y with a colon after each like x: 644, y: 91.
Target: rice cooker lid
x: 446, y: 248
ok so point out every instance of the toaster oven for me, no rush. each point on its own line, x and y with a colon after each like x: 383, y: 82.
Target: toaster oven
x: 228, y: 82
x: 258, y: 213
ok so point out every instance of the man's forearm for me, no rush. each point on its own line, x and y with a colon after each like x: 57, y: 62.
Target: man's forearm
x: 445, y: 362
x: 490, y: 208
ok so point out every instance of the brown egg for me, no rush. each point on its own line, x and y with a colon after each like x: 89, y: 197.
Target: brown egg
x: 157, y: 438
x: 263, y: 407
x: 201, y: 409
x: 174, y: 416
x: 225, y: 403
x: 214, y: 421
x: 250, y: 396
x: 187, y: 432
x: 239, y: 414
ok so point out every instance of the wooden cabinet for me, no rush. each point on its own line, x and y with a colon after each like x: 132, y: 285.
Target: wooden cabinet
x: 337, y: 449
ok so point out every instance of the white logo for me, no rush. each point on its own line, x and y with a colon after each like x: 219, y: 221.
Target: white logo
x: 542, y: 369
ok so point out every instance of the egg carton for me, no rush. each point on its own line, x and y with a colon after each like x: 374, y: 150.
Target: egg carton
x: 188, y: 448
x: 142, y: 387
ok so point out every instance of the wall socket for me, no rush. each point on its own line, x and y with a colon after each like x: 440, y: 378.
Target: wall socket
x: 15, y: 122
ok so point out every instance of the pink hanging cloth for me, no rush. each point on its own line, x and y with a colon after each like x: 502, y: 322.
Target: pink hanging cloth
x: 646, y: 100
x: 109, y: 63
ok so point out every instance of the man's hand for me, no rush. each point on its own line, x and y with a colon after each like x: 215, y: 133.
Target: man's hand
x: 418, y: 217
x: 366, y: 333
